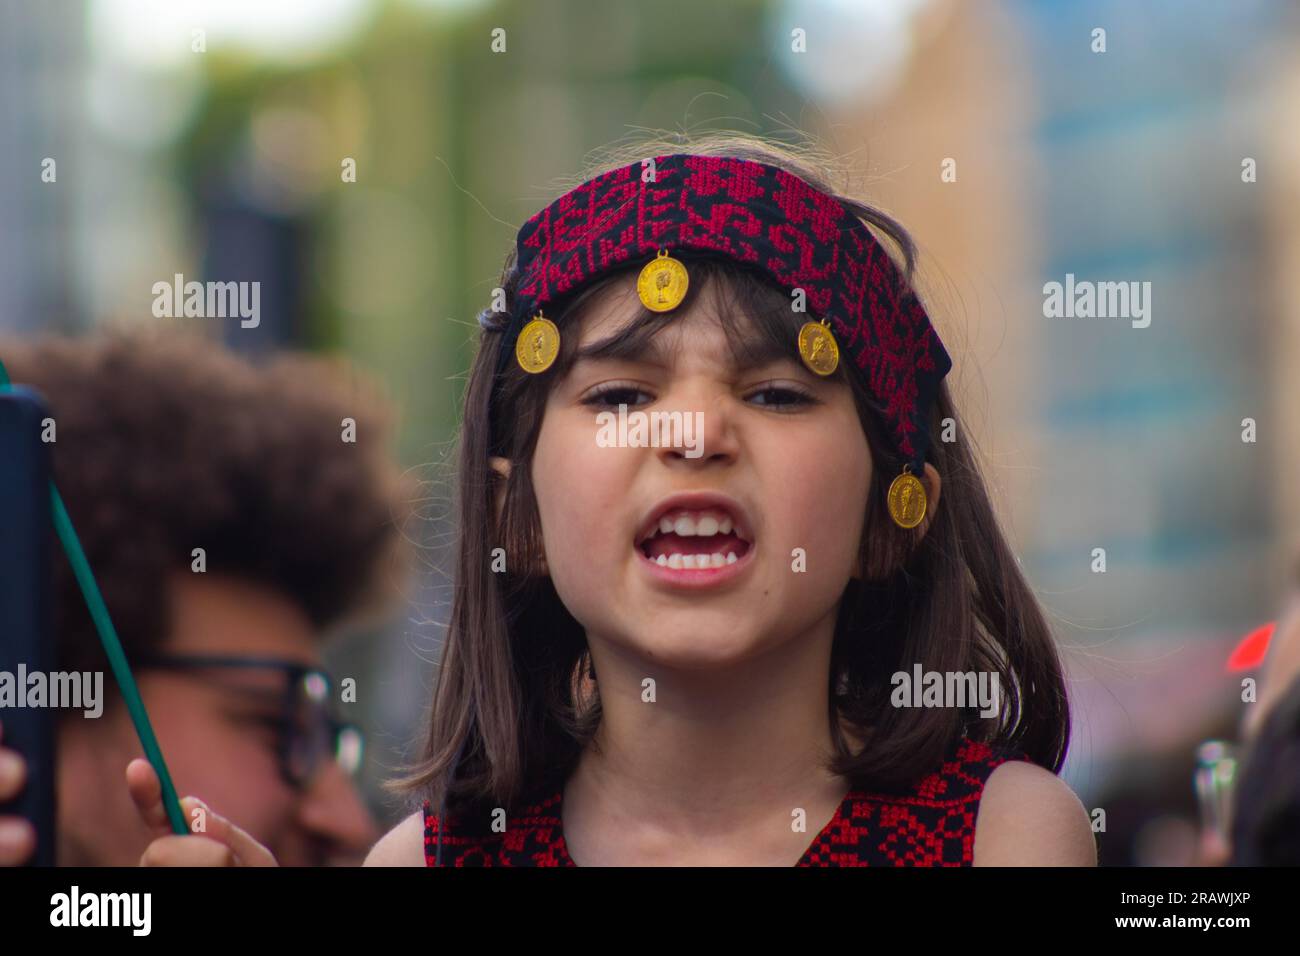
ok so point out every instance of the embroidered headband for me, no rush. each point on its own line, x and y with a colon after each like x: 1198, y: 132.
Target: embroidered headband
x: 763, y: 217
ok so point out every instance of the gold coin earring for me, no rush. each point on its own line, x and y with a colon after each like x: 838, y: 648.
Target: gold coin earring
x: 663, y: 282
x: 538, y: 345
x: 818, y: 348
x: 906, y: 499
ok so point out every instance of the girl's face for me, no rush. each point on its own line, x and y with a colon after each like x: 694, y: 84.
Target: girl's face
x: 777, y: 474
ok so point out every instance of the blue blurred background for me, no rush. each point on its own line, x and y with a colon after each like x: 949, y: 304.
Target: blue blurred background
x: 1123, y: 165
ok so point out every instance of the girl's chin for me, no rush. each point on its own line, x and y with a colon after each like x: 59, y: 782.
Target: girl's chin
x: 694, y: 646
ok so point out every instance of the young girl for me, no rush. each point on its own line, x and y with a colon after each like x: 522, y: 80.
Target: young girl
x: 759, y: 640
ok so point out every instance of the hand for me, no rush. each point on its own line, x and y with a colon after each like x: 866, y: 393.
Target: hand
x: 17, y: 836
x: 221, y: 844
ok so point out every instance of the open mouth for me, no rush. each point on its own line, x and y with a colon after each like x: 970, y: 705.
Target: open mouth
x: 695, y: 538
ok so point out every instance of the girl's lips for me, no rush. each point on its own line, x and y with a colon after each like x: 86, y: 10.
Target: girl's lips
x: 693, y: 579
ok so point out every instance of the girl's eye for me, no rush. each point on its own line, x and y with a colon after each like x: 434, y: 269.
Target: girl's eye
x: 614, y: 395
x: 778, y: 398
x: 783, y: 399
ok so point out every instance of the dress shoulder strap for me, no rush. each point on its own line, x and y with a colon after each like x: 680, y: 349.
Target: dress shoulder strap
x: 532, y: 836
x: 930, y: 823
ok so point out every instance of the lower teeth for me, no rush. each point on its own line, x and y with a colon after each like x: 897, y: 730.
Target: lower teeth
x: 678, y: 561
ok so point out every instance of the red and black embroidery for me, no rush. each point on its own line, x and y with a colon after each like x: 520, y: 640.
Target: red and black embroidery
x: 931, y: 823
x: 757, y: 215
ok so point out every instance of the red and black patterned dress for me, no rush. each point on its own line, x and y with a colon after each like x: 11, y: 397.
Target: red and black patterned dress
x: 931, y: 823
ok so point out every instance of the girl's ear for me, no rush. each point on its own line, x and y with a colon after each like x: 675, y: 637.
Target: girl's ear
x: 502, y: 467
x: 933, y: 489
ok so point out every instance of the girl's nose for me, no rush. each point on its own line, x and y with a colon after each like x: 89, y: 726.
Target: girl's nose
x: 709, y: 427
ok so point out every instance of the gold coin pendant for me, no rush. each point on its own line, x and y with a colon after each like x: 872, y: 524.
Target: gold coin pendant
x: 907, y: 500
x: 538, y: 345
x: 818, y: 348
x: 662, y: 283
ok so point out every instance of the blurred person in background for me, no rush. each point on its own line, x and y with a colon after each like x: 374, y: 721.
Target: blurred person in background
x: 1250, y: 791
x: 1266, y: 818
x: 168, y: 444
x: 1281, y: 663
x: 1266, y: 787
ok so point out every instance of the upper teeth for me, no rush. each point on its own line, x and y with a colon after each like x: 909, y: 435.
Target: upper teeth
x: 695, y: 523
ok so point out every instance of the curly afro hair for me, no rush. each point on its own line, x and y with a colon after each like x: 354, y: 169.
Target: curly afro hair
x: 168, y: 442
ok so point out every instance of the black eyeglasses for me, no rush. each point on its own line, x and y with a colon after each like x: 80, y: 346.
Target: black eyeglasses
x: 310, y: 734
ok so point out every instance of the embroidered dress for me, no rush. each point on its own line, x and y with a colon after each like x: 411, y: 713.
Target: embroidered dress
x: 931, y: 823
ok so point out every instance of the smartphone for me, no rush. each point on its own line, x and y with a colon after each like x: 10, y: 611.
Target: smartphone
x: 26, y: 641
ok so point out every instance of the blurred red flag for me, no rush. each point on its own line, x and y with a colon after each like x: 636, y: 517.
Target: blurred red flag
x: 1250, y: 652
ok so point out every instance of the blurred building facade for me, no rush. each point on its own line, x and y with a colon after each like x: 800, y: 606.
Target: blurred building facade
x: 1122, y: 165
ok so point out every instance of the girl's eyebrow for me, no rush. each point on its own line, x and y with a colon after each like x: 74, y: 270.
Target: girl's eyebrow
x: 623, y: 348
x: 634, y: 348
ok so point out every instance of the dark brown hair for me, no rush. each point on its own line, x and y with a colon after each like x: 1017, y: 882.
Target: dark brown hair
x: 169, y: 442
x: 514, y: 706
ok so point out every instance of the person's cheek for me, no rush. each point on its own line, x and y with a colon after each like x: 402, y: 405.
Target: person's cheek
x: 576, y: 493
x: 806, y: 513
x: 263, y: 800
x: 567, y: 536
x: 843, y: 490
x: 232, y: 764
x: 824, y: 493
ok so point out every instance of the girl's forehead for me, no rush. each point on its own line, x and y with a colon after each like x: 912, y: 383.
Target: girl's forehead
x: 615, y: 312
